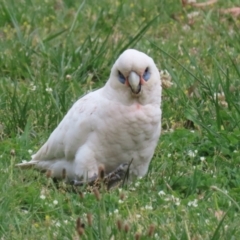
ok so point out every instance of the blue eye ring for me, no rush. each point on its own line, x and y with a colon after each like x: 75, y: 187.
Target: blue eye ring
x: 146, y: 74
x: 121, y: 78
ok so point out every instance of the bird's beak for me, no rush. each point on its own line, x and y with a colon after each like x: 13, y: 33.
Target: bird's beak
x: 134, y: 81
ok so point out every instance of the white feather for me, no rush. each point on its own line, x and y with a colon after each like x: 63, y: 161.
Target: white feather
x: 107, y: 127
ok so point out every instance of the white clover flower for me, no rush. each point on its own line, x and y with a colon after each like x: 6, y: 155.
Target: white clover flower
x: 148, y: 207
x: 192, y: 67
x: 191, y: 153
x: 177, y: 201
x: 161, y: 193
x: 42, y: 197
x: 193, y: 14
x: 186, y: 27
x: 202, y: 159
x: 132, y: 189
x: 169, y: 155
x: 120, y: 201
x: 167, y: 199
x: 172, y: 198
x: 193, y: 203
x: 30, y: 151
x: 32, y: 87
x: 116, y: 211
x: 55, y: 202
x: 25, y: 211
x: 58, y: 224
x: 137, y: 184
x: 49, y: 90
x: 68, y: 76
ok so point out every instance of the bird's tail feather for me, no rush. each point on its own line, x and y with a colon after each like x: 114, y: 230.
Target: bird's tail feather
x: 29, y: 164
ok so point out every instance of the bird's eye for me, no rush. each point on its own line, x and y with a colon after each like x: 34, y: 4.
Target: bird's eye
x: 146, y: 74
x: 121, y: 78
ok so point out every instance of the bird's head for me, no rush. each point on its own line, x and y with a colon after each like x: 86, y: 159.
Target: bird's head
x: 135, y: 76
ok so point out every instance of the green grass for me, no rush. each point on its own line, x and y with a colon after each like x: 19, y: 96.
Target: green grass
x: 52, y: 52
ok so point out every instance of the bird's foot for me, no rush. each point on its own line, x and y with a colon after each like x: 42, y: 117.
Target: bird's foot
x: 89, y: 181
x: 119, y: 175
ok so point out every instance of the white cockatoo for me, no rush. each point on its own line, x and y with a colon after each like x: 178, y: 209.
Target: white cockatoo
x: 116, y: 124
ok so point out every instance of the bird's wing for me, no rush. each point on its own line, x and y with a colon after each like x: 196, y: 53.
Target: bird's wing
x: 70, y: 134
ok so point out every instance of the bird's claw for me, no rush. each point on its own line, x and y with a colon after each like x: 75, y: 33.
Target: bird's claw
x: 110, y: 180
x: 120, y: 174
x: 89, y: 181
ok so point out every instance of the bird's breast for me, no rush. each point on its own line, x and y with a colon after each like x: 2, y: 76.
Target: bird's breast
x: 127, y: 132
